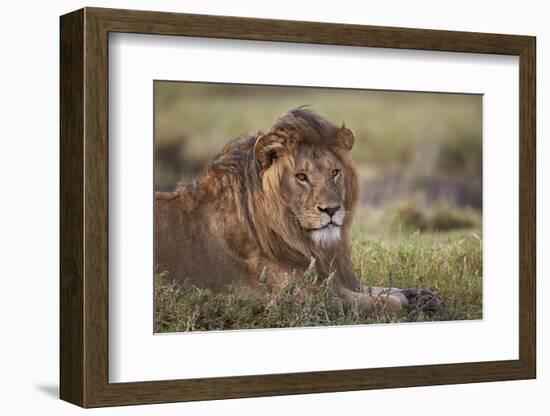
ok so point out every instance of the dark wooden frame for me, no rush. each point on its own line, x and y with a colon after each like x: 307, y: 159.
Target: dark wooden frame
x: 84, y: 209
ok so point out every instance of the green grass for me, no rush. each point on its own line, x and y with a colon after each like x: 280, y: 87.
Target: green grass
x: 385, y: 252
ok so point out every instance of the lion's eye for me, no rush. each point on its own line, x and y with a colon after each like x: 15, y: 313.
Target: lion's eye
x: 334, y: 173
x: 302, y: 177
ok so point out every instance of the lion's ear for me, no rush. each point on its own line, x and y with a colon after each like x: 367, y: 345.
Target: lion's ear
x: 345, y: 138
x: 268, y: 148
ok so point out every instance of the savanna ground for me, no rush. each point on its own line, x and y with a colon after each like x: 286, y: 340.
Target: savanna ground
x: 418, y: 224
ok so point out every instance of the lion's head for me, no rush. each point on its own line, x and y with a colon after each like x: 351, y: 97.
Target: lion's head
x: 307, y: 179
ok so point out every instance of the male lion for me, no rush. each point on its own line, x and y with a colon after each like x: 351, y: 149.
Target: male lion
x: 266, y: 205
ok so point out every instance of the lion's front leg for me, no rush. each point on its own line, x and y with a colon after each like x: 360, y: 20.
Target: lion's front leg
x: 370, y: 303
x: 376, y: 299
x: 417, y: 299
x: 351, y: 292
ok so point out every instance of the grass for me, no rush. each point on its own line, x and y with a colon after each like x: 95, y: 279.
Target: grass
x: 384, y: 253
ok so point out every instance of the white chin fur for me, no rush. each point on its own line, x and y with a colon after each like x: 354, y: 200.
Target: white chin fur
x: 326, y: 236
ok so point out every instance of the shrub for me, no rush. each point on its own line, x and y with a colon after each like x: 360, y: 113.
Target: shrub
x: 442, y: 216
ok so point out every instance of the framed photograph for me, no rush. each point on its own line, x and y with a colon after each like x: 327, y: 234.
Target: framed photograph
x: 255, y: 207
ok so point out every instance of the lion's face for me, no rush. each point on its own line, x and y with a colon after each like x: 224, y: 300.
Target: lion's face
x: 307, y: 178
x: 313, y: 186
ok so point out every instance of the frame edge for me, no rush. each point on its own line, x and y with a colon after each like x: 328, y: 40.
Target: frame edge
x: 528, y: 208
x: 71, y: 99
x: 304, y: 31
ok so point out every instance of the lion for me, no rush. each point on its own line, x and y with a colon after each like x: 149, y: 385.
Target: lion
x: 267, y: 205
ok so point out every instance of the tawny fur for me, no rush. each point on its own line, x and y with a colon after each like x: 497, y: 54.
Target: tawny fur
x: 249, y: 213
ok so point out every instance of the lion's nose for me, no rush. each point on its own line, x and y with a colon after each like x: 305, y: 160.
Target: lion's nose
x: 329, y: 210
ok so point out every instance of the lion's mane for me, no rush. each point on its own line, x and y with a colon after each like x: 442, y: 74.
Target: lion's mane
x: 242, y: 203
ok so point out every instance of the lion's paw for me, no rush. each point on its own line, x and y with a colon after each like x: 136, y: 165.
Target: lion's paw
x: 423, y: 300
x: 391, y: 303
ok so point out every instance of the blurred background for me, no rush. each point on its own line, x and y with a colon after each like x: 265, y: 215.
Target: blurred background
x: 418, y: 155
